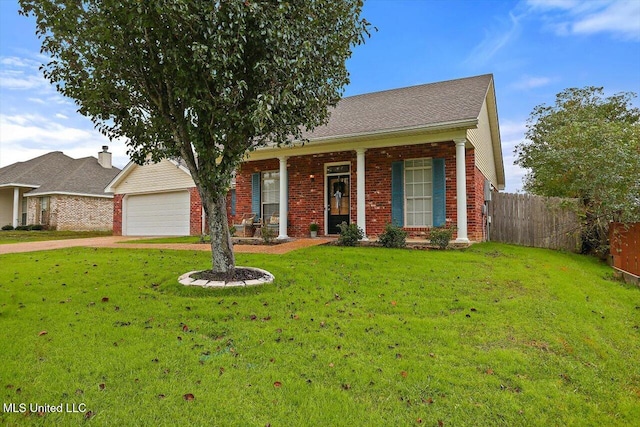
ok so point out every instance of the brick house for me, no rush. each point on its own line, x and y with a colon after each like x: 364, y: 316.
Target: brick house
x: 418, y: 157
x: 58, y: 192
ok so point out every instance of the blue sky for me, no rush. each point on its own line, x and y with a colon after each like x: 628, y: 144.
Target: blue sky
x: 534, y: 48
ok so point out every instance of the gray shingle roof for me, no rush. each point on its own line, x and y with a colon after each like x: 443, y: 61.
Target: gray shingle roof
x: 56, y: 172
x: 409, y: 107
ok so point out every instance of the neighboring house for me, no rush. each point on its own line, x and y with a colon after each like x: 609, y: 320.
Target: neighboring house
x: 418, y: 157
x: 59, y: 192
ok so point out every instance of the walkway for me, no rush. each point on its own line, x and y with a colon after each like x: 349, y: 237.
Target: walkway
x: 124, y: 243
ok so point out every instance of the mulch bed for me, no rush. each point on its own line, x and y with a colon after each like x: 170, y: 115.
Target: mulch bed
x: 240, y: 275
x: 250, y: 241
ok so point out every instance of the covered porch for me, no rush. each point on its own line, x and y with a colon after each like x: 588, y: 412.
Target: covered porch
x: 13, y: 205
x: 331, y: 182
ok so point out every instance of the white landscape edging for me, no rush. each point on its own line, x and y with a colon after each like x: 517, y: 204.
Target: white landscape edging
x: 186, y: 280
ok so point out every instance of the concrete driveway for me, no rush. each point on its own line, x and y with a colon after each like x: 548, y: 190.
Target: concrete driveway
x: 124, y: 243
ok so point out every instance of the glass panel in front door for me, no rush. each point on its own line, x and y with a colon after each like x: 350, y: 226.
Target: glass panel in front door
x: 338, y: 204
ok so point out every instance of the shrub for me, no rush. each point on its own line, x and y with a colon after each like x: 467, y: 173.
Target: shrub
x: 313, y: 226
x: 349, y: 234
x: 440, y: 236
x: 204, y: 238
x: 268, y: 234
x: 23, y: 228
x: 36, y: 227
x: 7, y: 227
x: 393, y: 237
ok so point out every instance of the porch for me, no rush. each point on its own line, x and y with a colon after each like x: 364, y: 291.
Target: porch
x: 357, y: 186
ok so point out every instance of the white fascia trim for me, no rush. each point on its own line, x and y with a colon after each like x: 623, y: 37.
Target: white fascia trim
x: 448, y: 126
x: 466, y: 124
x: 327, y: 144
x: 127, y: 170
x: 181, y: 167
x: 461, y: 125
x: 67, y: 193
x: 146, y: 192
x: 121, y: 175
x: 11, y: 185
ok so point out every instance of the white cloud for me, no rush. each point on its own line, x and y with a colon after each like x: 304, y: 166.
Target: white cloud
x: 25, y: 136
x: 530, y: 82
x: 61, y: 116
x: 618, y: 17
x: 495, y: 40
x: 30, y: 129
x: 574, y: 5
x: 18, y: 81
x: 19, y: 73
x: 15, y: 61
x: 622, y: 18
x: 512, y: 129
x: 512, y: 134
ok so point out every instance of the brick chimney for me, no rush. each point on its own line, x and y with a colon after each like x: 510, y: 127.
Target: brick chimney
x: 104, y: 157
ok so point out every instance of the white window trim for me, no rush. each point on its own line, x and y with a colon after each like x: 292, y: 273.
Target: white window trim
x: 406, y: 198
x: 262, y: 201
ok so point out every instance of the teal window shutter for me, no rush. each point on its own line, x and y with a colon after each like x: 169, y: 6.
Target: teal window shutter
x: 255, y: 194
x: 439, y: 193
x: 397, y: 193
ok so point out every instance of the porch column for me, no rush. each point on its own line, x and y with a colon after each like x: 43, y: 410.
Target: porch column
x: 282, y: 209
x: 16, y: 206
x: 360, y: 180
x: 461, y: 191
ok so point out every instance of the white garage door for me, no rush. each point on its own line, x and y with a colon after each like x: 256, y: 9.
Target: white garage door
x: 163, y: 214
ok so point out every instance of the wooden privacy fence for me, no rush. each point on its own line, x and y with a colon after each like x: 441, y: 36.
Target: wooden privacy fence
x: 541, y: 222
x: 625, y: 249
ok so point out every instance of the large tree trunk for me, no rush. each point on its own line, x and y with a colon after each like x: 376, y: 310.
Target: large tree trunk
x: 223, y: 259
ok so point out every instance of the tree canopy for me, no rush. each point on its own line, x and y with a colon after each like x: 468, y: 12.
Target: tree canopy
x: 206, y: 81
x: 586, y: 146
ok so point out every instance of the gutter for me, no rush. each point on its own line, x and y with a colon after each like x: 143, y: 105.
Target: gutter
x: 330, y: 141
x: 65, y: 193
x: 454, y: 125
x: 11, y: 184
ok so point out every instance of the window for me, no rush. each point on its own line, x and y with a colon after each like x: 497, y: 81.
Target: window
x: 270, y: 193
x: 418, y: 190
x: 44, y: 210
x: 24, y: 212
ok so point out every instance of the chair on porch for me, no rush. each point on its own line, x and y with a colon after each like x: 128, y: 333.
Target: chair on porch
x: 246, y: 227
x: 273, y: 223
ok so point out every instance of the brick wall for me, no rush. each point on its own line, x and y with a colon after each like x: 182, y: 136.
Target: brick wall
x: 117, y: 214
x: 80, y: 213
x: 306, y: 195
x: 475, y: 218
x: 33, y: 213
x: 378, y: 183
x: 195, y: 212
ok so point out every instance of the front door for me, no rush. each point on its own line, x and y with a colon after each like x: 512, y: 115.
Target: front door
x: 338, y: 204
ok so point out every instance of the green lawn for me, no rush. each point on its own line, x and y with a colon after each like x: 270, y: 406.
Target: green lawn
x: 492, y: 335
x: 181, y: 239
x: 19, y: 236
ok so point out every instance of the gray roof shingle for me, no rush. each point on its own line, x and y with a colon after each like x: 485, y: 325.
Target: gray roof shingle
x: 409, y: 107
x: 56, y: 172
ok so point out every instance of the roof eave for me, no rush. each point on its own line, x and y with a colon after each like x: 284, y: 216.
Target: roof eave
x: 69, y: 193
x: 119, y: 177
x: 110, y: 188
x: 495, y: 135
x: 15, y: 184
x: 453, y: 126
